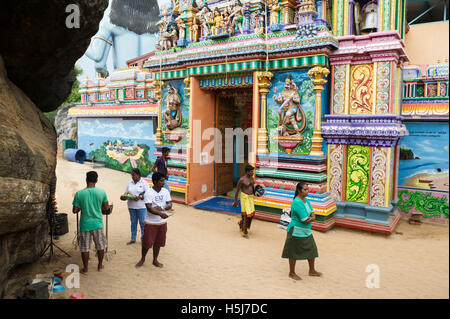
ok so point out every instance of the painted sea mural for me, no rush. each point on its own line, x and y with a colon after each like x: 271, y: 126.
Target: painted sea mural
x: 424, y: 156
x: 423, y: 171
x: 120, y: 144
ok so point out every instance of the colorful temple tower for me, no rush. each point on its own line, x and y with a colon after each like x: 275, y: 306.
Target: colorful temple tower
x: 306, y: 90
x: 315, y: 86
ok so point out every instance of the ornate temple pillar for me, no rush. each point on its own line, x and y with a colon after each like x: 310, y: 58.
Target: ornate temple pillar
x: 187, y: 88
x: 317, y: 73
x: 363, y: 130
x: 263, y: 86
x: 287, y: 11
x: 159, y: 85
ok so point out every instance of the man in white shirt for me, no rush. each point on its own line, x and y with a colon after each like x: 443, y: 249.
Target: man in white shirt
x: 136, y: 206
x: 158, y: 201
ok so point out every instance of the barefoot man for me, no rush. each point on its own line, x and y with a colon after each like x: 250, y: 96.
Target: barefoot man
x: 90, y: 202
x: 158, y: 201
x: 246, y: 186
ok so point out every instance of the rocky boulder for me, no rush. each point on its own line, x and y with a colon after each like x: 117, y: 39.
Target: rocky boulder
x: 66, y: 127
x: 37, y: 55
x: 27, y: 165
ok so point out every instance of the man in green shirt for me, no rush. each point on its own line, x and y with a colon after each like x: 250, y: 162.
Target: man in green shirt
x: 91, y: 201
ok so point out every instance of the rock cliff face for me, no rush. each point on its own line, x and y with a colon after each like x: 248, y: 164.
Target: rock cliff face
x: 38, y: 48
x: 37, y: 56
x: 65, y: 126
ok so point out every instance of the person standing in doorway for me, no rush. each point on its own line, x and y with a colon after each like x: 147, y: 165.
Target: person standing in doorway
x: 245, y: 187
x: 90, y: 202
x: 300, y: 242
x: 157, y: 202
x: 160, y: 166
x: 136, y: 187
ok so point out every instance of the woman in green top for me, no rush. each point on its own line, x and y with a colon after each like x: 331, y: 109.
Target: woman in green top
x: 300, y: 243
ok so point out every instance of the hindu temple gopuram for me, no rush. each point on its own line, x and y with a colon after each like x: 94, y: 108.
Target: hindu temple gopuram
x: 303, y: 90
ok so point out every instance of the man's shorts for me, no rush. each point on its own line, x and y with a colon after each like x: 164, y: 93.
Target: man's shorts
x: 154, y: 235
x: 85, y: 238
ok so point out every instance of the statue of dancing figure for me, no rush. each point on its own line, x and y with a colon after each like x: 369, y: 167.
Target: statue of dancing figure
x: 236, y: 17
x: 172, y: 114
x: 290, y: 111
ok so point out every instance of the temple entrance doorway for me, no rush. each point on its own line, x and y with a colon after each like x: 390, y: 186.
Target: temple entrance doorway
x: 233, y: 117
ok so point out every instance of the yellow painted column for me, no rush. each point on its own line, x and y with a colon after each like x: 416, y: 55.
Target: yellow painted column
x: 393, y: 6
x: 255, y: 121
x: 159, y: 85
x: 335, y: 17
x: 374, y: 101
x: 346, y: 17
x: 380, y: 15
x: 263, y: 86
x: 347, y: 89
x: 317, y: 73
x: 187, y: 88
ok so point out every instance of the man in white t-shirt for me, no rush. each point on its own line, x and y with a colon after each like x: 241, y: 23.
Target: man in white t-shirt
x: 158, y: 201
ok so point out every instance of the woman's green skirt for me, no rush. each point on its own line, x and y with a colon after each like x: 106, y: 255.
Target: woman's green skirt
x: 299, y: 248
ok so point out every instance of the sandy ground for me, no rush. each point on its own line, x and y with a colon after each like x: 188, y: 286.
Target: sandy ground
x: 205, y: 257
x: 429, y: 181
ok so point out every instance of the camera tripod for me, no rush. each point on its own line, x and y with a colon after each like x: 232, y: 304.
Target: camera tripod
x: 49, y: 247
x: 108, y: 252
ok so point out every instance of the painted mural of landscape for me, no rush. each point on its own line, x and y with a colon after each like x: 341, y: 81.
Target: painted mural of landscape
x: 120, y: 144
x: 424, y: 156
x: 307, y: 101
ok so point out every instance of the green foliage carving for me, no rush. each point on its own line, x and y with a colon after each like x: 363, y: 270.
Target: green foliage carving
x: 429, y: 205
x: 358, y: 173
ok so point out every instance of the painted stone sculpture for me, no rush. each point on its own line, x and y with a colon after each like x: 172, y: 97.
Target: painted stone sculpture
x: 290, y: 112
x: 237, y: 17
x: 127, y: 30
x: 204, y: 16
x: 181, y: 28
x: 274, y: 10
x: 217, y: 23
x: 172, y: 114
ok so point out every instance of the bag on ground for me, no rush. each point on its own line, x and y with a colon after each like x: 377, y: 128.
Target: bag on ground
x: 285, y: 218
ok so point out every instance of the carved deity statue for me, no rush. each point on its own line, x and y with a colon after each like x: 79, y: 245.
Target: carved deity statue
x: 205, y: 16
x: 259, y: 22
x: 237, y: 17
x: 274, y: 9
x: 181, y: 28
x: 176, y: 6
x: 217, y: 22
x: 194, y: 29
x: 290, y: 111
x: 165, y: 36
x: 172, y: 113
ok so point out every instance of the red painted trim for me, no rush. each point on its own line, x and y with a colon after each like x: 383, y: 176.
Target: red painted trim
x: 115, y: 107
x: 324, y: 226
x: 394, y: 183
x: 358, y: 224
x: 344, y: 182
